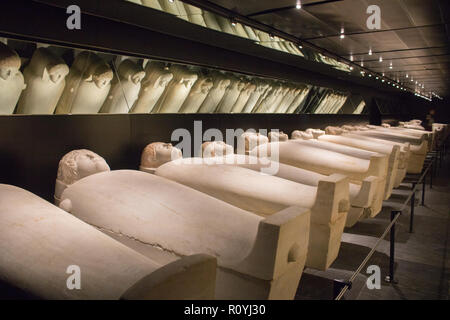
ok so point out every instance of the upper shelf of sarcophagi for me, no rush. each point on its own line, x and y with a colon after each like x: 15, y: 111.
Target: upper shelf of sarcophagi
x: 392, y: 151
x: 42, y: 246
x: 258, y: 258
x: 265, y: 195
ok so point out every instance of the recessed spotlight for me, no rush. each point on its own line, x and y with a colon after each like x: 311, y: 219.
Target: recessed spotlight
x: 342, y: 36
x: 351, y: 58
x: 390, y: 66
x: 381, y: 59
x: 370, y: 52
x: 298, y: 5
x: 407, y: 76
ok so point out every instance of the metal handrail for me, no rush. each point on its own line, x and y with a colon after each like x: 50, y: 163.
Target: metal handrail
x: 389, y: 227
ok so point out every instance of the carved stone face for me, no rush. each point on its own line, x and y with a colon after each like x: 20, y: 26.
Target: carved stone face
x: 58, y: 73
x: 241, y: 85
x: 158, y: 153
x: 8, y: 72
x: 223, y: 84
x: 101, y: 81
x: 187, y: 82
x: 137, y: 77
x: 206, y: 85
x: 164, y: 80
x: 78, y: 164
x: 9, y: 62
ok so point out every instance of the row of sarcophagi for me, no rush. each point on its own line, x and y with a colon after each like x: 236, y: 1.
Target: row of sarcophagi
x: 223, y: 225
x: 48, y: 86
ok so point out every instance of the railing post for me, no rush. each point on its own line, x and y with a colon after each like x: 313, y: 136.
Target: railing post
x: 411, y: 218
x: 390, y: 277
x: 431, y: 174
x: 423, y: 190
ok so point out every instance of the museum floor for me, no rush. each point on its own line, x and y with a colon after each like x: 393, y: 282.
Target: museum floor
x: 422, y: 257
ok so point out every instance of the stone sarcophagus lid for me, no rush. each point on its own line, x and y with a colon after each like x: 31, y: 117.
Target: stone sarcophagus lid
x: 87, y: 85
x: 361, y: 195
x: 231, y: 95
x: 418, y: 146
x: 403, y: 157
x: 42, y: 246
x: 125, y: 89
x: 250, y: 140
x: 298, y: 154
x: 11, y: 79
x: 265, y: 195
x: 422, y: 134
x: 392, y: 151
x: 157, y: 77
x: 45, y: 78
x: 258, y: 258
x: 158, y: 153
x: 215, y: 95
x: 379, y: 164
x: 177, y: 90
x: 275, y: 136
x: 244, y: 96
x: 301, y: 135
x: 198, y: 94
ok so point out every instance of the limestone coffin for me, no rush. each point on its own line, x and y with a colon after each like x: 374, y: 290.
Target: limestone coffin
x: 392, y: 151
x: 45, y: 79
x: 419, y: 146
x: 327, y: 162
x: 244, y: 96
x: 257, y: 258
x: 125, y: 88
x: 265, y: 195
x: 11, y: 79
x: 215, y: 95
x: 261, y: 89
x: 379, y: 163
x: 403, y: 157
x: 231, y: 95
x: 249, y: 140
x: 87, y: 85
x: 360, y: 195
x: 198, y: 94
x: 422, y: 134
x: 39, y: 242
x: 176, y: 91
x: 152, y: 87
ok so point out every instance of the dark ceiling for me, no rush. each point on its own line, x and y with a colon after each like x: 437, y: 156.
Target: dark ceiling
x: 414, y: 34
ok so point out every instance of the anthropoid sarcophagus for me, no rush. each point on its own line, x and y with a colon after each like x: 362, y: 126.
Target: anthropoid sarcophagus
x: 258, y: 258
x: 41, y: 246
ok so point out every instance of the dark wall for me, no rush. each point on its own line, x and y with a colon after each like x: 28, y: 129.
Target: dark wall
x: 31, y: 146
